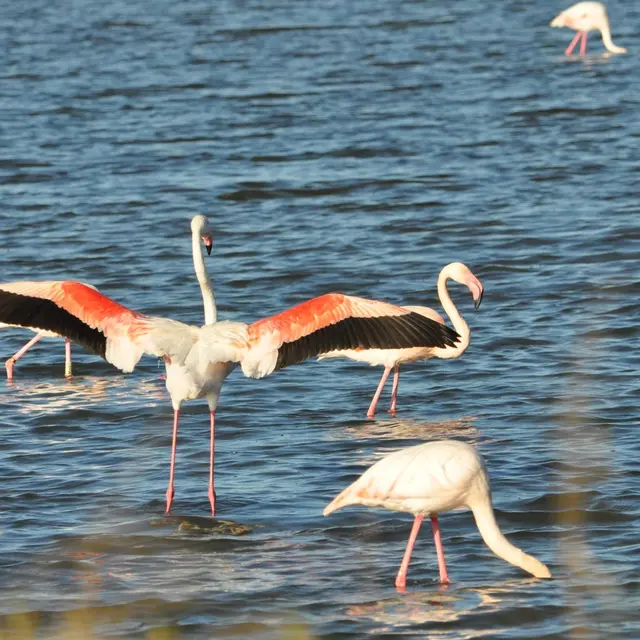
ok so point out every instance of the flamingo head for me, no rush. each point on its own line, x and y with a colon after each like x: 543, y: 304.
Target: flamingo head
x: 461, y: 273
x: 200, y: 227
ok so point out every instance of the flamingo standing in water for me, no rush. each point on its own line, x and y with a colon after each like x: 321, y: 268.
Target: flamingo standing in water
x: 429, y: 479
x: 392, y: 358
x: 584, y: 17
x: 57, y: 294
x: 198, y: 359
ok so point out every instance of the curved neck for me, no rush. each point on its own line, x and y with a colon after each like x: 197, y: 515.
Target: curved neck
x: 608, y: 42
x: 457, y: 320
x: 210, y: 313
x: 491, y: 534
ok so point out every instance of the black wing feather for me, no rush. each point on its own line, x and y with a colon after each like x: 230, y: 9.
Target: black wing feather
x: 385, y: 332
x: 39, y: 313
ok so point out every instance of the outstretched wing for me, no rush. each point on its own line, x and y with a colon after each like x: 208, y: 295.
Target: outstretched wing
x: 87, y: 317
x: 336, y: 321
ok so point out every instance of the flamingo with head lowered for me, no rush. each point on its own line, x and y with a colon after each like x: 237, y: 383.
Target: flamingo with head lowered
x: 584, y: 17
x: 57, y: 293
x: 392, y: 358
x: 198, y: 359
x: 427, y: 480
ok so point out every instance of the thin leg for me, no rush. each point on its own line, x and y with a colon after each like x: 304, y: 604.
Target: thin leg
x: 574, y: 42
x: 444, y: 578
x: 16, y: 356
x: 401, y: 578
x: 376, y: 397
x: 67, y: 358
x: 583, y: 44
x: 212, y: 492
x: 170, y: 490
x: 394, y: 389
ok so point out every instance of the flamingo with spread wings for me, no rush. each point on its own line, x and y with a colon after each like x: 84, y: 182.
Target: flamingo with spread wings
x: 198, y: 359
x: 393, y: 358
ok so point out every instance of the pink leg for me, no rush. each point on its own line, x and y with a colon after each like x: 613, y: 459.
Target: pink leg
x: 583, y: 44
x: 401, y: 578
x: 16, y: 356
x: 67, y: 358
x: 444, y: 578
x: 394, y: 389
x: 170, y: 490
x: 212, y: 493
x: 376, y: 397
x: 574, y: 42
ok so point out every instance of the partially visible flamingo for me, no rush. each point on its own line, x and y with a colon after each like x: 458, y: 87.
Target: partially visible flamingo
x: 56, y: 294
x: 427, y: 480
x: 392, y: 358
x: 584, y: 17
x: 198, y: 359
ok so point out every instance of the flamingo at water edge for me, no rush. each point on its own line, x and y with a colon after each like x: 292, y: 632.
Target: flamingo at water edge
x: 392, y: 358
x: 198, y: 359
x: 584, y: 17
x: 427, y: 480
x: 56, y: 294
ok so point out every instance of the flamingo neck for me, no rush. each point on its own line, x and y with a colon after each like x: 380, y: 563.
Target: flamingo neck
x: 457, y: 320
x: 607, y: 41
x: 210, y: 312
x: 493, y: 538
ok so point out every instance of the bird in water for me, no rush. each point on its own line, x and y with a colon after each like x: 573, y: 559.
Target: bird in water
x: 427, y: 480
x: 584, y: 17
x: 198, y: 359
x: 56, y: 293
x: 393, y: 358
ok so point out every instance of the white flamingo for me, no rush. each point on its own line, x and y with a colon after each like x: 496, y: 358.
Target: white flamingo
x: 584, y: 17
x: 198, y: 359
x: 393, y: 358
x: 427, y: 480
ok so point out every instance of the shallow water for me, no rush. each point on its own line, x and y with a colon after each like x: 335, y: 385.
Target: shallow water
x: 356, y: 147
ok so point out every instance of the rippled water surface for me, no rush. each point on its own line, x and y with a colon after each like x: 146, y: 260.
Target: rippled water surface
x: 354, y: 146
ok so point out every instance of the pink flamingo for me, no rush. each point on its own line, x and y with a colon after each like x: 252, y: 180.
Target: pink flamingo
x: 584, y: 17
x: 198, y: 359
x: 429, y: 479
x: 57, y: 294
x: 392, y: 358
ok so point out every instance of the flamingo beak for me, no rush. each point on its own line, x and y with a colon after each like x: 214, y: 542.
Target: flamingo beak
x: 208, y: 244
x: 477, y: 291
x: 478, y: 300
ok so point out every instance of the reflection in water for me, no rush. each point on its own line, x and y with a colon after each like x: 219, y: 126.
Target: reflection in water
x: 447, y: 604
x: 395, y: 430
x: 54, y: 396
x: 414, y: 429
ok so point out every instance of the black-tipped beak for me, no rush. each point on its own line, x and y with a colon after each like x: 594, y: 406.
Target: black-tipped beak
x: 208, y: 248
x: 478, y: 300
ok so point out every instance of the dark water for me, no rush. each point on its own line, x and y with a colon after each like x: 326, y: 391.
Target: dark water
x: 355, y: 146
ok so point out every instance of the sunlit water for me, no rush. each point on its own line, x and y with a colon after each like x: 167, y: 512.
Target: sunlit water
x: 354, y: 146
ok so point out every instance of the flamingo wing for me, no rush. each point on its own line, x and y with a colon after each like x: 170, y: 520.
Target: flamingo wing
x: 40, y: 314
x: 332, y: 322
x: 81, y: 313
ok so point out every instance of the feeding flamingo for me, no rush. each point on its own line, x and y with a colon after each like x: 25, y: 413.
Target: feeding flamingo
x: 392, y: 358
x: 427, y: 480
x: 56, y: 294
x: 584, y: 17
x: 198, y: 359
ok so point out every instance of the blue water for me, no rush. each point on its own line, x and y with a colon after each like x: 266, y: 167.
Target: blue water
x: 349, y: 146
